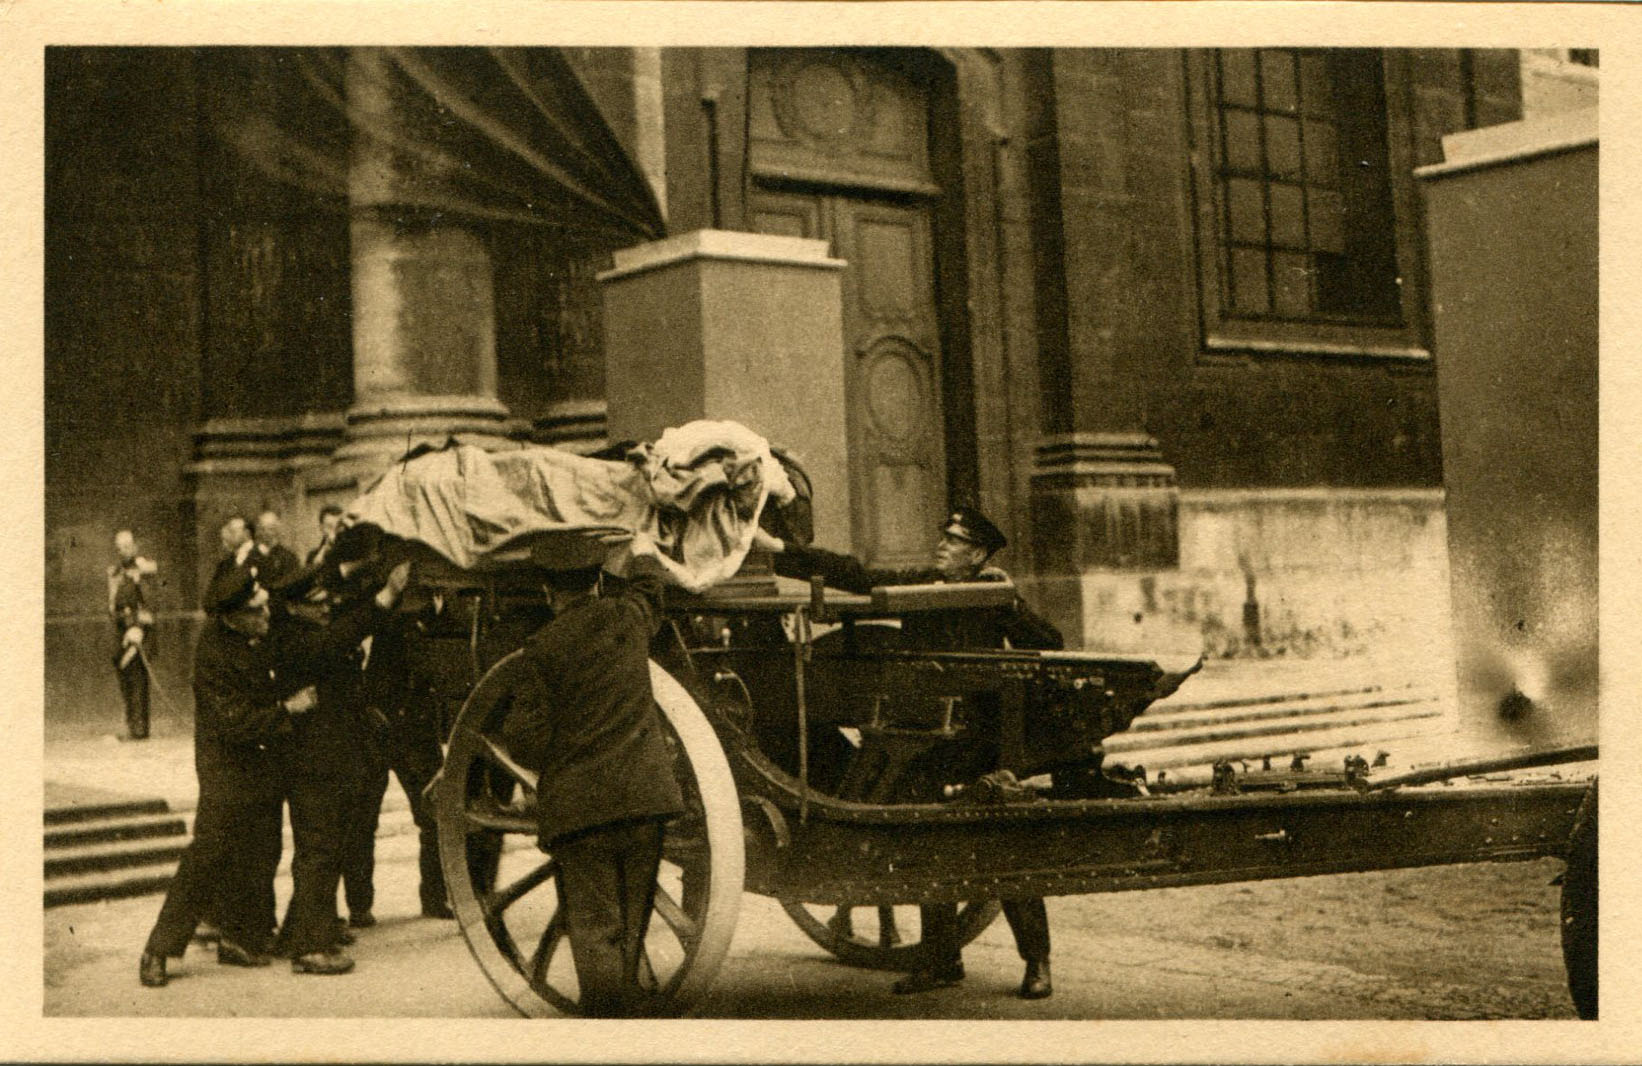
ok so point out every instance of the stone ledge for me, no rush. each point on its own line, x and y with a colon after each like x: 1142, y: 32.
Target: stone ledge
x: 721, y: 245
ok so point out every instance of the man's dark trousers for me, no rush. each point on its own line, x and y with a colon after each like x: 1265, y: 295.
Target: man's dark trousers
x: 317, y: 825
x: 1028, y: 919
x: 217, y: 877
x: 414, y: 761
x: 607, y: 883
x: 134, y: 690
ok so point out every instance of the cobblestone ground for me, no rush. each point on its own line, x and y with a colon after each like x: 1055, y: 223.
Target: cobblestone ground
x: 1458, y: 942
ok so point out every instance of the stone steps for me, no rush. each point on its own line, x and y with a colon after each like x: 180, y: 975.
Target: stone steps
x: 132, y: 849
x: 1186, y: 739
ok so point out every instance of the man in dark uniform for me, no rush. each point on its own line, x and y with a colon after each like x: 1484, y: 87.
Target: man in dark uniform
x: 967, y: 540
x: 592, y: 731
x: 128, y: 604
x: 328, y: 760
x: 402, y: 736
x: 251, y: 689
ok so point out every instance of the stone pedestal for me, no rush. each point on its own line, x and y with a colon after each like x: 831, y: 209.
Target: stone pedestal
x: 1101, y: 502
x: 739, y: 326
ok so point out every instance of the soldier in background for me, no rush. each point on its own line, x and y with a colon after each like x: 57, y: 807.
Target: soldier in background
x: 128, y: 606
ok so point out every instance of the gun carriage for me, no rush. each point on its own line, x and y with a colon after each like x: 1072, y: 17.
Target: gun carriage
x: 806, y: 735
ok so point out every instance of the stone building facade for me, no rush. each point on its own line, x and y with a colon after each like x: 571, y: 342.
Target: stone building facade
x: 1163, y: 313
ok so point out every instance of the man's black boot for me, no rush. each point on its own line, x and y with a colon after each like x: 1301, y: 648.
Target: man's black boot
x: 230, y: 953
x: 929, y: 978
x: 151, y: 971
x: 1036, y: 983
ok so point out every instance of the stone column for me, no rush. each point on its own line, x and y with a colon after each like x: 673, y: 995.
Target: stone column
x: 1104, y: 498
x: 740, y: 326
x: 424, y: 319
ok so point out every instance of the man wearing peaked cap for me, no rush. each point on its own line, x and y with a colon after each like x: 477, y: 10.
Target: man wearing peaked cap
x: 252, y: 686
x: 967, y: 541
x: 967, y: 523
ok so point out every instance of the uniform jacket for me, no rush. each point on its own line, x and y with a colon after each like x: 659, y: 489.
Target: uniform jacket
x: 273, y: 566
x: 590, y: 726
x: 243, y: 738
x: 932, y: 630
x: 128, y: 605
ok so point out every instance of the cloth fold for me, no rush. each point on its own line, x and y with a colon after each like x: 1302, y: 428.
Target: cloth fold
x: 684, y: 508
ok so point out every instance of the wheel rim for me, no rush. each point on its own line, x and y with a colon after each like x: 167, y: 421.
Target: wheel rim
x: 863, y: 940
x: 502, y: 886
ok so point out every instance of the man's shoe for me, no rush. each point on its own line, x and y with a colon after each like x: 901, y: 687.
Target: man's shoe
x: 322, y: 962
x: 929, y: 979
x: 151, y: 970
x: 440, y: 909
x: 232, y: 954
x: 343, y: 935
x: 362, y: 920
x: 1036, y: 983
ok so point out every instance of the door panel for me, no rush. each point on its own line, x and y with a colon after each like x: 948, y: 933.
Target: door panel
x: 839, y: 152
x: 897, y: 453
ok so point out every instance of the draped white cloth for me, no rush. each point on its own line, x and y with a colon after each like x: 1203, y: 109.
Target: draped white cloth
x: 684, y: 507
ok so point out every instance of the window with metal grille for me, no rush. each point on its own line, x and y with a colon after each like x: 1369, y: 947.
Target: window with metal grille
x: 1306, y: 227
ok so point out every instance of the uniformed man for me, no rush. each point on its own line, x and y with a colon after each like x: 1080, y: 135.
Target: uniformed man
x: 966, y: 542
x: 592, y: 731
x: 402, y: 737
x: 252, y: 689
x: 328, y: 760
x: 128, y: 605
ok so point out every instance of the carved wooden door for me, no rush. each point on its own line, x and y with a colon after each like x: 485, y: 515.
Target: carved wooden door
x: 839, y: 151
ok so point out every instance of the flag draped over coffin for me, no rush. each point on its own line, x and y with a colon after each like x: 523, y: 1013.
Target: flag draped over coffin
x: 684, y: 507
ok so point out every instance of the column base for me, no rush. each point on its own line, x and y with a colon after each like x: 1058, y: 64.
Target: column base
x: 379, y: 432
x: 1100, y: 502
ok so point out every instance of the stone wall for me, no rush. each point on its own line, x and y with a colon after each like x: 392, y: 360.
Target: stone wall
x: 1302, y: 573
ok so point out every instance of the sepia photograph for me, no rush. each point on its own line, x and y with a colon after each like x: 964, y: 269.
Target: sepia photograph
x: 750, y: 526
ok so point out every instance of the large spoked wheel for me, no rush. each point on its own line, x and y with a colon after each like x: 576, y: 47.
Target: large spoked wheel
x: 881, y: 938
x: 502, y: 885
x: 1579, y: 909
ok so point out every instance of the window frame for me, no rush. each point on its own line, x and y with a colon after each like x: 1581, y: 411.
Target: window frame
x: 1223, y: 333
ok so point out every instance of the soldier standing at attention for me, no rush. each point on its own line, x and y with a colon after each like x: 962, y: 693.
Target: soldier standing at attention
x: 128, y: 606
x: 592, y: 732
x: 967, y: 540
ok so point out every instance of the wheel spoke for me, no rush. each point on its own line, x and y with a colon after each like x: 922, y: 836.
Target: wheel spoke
x: 481, y: 818
x: 499, y: 755
x: 542, y: 957
x: 496, y: 902
x: 682, y: 925
x: 889, y: 935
